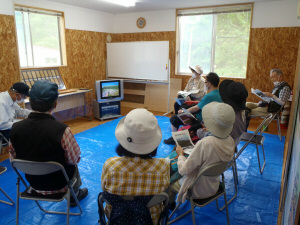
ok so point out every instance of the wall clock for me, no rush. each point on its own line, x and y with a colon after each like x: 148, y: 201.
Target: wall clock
x: 141, y: 22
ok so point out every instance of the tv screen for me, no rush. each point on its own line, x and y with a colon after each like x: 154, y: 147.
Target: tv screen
x: 109, y: 90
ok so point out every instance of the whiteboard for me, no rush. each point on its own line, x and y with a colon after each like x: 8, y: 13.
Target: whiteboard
x: 145, y: 60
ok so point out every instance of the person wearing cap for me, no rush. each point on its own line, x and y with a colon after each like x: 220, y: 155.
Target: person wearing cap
x: 211, y: 85
x: 279, y: 97
x: 217, y: 147
x: 234, y: 94
x: 41, y: 138
x: 9, y: 108
x: 134, y: 171
x: 194, y: 83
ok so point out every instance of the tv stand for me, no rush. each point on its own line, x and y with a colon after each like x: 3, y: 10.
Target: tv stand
x: 106, y: 109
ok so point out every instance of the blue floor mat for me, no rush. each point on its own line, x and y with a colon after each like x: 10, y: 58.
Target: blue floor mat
x: 256, y: 203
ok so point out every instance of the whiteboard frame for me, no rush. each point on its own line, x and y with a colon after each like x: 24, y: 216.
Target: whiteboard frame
x: 141, y: 45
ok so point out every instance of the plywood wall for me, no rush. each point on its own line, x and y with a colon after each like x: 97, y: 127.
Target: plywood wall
x: 9, y: 61
x: 85, y: 58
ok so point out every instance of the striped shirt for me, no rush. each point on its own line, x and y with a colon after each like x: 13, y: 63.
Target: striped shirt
x: 137, y: 177
x: 72, y: 156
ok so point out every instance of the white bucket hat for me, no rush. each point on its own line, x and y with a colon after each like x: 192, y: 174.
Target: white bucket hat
x: 139, y: 132
x: 197, y: 68
x: 218, y: 118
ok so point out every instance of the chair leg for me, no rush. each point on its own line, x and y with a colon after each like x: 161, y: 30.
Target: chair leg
x: 68, y: 206
x: 193, y: 210
x: 5, y: 202
x: 235, y: 188
x: 226, y: 206
x: 278, y: 127
x: 18, y: 200
x: 261, y: 169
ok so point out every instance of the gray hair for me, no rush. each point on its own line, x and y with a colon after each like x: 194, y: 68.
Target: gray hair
x: 278, y: 71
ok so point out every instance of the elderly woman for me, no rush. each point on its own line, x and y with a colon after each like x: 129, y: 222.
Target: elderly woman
x: 135, y: 171
x: 195, y: 85
x: 217, y: 147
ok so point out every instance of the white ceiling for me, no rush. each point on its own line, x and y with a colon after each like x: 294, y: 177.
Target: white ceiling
x: 149, y: 5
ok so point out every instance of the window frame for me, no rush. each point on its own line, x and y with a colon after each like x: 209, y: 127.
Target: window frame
x: 61, y: 33
x: 177, y: 44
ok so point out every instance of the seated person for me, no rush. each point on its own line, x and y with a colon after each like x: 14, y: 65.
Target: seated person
x: 234, y: 94
x: 217, y: 147
x: 211, y: 84
x: 41, y: 138
x: 194, y: 83
x: 135, y: 171
x: 280, y: 94
x: 9, y: 108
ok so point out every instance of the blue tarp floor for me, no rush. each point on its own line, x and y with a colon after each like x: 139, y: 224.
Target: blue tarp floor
x: 256, y: 203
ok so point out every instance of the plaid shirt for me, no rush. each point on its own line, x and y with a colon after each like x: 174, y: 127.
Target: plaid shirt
x: 137, y: 177
x: 72, y: 155
x: 284, y: 94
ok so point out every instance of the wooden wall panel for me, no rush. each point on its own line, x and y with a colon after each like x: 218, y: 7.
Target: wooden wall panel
x: 9, y: 61
x: 85, y: 59
x: 271, y: 48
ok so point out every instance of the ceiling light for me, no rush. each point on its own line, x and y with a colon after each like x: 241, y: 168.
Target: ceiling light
x: 126, y: 3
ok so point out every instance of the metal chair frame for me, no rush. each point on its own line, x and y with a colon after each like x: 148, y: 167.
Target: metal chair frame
x: 276, y: 116
x: 256, y: 138
x: 43, y: 168
x: 215, y: 169
x: 5, y: 202
x: 156, y: 199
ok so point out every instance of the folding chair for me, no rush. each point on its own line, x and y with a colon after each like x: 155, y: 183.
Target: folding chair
x: 276, y: 116
x: 215, y: 169
x: 258, y: 139
x: 43, y: 168
x: 2, y: 170
x: 126, y: 209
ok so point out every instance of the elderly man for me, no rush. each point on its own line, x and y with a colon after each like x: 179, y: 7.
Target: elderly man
x: 279, y: 95
x: 41, y: 138
x: 9, y: 109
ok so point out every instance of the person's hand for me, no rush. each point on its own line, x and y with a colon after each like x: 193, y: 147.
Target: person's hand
x: 180, y: 111
x: 179, y: 150
x: 268, y: 94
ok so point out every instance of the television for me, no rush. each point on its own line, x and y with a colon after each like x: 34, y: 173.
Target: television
x: 109, y: 90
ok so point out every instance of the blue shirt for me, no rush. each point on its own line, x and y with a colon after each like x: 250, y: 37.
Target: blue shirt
x: 213, y: 96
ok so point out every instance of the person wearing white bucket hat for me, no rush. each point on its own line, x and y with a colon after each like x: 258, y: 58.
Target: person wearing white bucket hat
x: 218, y: 146
x: 135, y: 172
x: 194, y: 83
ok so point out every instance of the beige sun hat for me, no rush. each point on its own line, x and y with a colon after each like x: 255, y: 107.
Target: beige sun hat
x: 197, y: 68
x: 139, y: 132
x: 218, y: 118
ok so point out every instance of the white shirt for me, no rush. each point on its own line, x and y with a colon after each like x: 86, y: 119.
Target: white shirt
x: 9, y: 111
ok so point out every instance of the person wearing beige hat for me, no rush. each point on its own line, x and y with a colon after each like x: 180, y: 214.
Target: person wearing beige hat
x: 218, y: 146
x: 194, y: 83
x: 135, y: 171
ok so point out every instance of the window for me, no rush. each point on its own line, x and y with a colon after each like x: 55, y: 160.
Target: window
x: 215, y: 38
x: 39, y: 35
